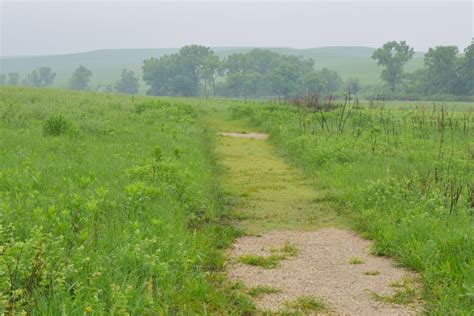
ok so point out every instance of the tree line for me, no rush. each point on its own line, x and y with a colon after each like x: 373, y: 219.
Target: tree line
x: 80, y: 80
x: 445, y: 70
x: 196, y: 70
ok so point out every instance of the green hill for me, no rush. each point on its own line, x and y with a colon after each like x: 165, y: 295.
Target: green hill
x: 107, y: 64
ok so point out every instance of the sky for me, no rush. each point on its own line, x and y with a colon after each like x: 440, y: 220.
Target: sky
x: 61, y: 27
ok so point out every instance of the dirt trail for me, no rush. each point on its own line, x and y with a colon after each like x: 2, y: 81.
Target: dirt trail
x: 278, y: 206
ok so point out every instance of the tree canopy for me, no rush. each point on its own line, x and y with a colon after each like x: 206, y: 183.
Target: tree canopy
x: 80, y: 78
x: 128, y: 83
x: 183, y: 73
x: 41, y: 77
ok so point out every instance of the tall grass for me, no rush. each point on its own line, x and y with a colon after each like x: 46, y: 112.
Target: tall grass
x: 108, y: 204
x: 406, y: 177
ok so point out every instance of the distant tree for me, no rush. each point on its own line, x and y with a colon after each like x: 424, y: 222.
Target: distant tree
x: 323, y: 82
x: 195, y: 59
x: 211, y: 69
x: 393, y: 56
x: 80, y: 79
x: 128, y: 83
x: 261, y: 72
x: 466, y: 71
x: 3, y: 79
x: 182, y: 73
x: 417, y: 83
x: 13, y: 78
x: 165, y: 76
x: 441, y: 72
x: 352, y: 86
x: 41, y: 77
x: 243, y: 84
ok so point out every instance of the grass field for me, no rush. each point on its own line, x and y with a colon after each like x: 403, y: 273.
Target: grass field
x: 106, y: 65
x: 108, y: 204
x: 112, y: 203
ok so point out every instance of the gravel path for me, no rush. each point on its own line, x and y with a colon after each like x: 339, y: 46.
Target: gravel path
x: 278, y: 205
x: 322, y: 269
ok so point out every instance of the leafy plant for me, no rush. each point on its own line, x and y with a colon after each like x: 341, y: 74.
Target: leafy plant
x: 56, y: 125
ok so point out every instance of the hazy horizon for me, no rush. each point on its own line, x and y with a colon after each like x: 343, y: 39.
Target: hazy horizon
x: 59, y: 27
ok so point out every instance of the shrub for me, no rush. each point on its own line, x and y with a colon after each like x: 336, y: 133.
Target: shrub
x: 56, y: 125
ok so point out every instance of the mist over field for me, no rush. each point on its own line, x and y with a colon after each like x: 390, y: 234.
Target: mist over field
x: 236, y: 157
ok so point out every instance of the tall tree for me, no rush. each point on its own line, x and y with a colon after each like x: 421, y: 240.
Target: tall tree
x: 466, y: 71
x: 324, y: 82
x: 441, y: 72
x: 210, y: 70
x: 41, y: 77
x: 393, y: 56
x: 128, y: 83
x: 13, y: 78
x: 182, y: 73
x: 80, y: 78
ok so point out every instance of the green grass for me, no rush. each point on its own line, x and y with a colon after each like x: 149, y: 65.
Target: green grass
x: 109, y: 204
x: 261, y: 290
x: 401, y: 174
x: 373, y: 273
x: 266, y: 262
x: 290, y: 249
x: 356, y: 260
x: 405, y: 293
x: 306, y: 304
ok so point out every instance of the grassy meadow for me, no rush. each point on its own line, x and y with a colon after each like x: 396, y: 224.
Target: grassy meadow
x: 405, y: 177
x: 108, y: 204
x: 115, y: 204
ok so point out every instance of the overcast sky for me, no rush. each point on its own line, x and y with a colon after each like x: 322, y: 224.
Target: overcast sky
x: 46, y: 27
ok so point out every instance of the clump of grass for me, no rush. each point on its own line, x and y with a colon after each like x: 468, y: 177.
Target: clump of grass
x: 272, y: 261
x: 269, y: 262
x: 290, y: 249
x: 356, y: 260
x: 263, y: 289
x: 371, y: 272
x: 56, y: 125
x: 404, y: 295
x: 306, y: 303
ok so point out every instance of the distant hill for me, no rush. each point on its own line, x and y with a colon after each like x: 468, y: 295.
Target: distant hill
x: 107, y: 64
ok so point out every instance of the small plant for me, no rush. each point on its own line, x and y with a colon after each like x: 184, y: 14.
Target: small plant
x: 306, y: 303
x: 404, y: 295
x: 56, y: 125
x: 371, y: 272
x: 269, y: 262
x: 355, y: 260
x: 263, y: 289
x: 290, y: 249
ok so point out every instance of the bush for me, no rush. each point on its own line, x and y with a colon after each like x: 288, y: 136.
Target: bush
x: 56, y: 125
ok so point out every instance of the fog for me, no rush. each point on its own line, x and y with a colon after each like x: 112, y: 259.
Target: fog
x: 44, y: 28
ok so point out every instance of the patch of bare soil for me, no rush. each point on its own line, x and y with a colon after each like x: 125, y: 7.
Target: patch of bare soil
x: 245, y: 135
x: 333, y: 265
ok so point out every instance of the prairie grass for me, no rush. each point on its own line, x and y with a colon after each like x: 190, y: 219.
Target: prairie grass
x: 109, y: 204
